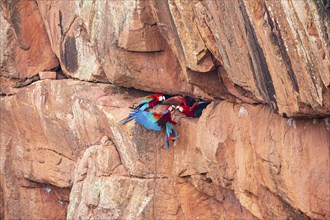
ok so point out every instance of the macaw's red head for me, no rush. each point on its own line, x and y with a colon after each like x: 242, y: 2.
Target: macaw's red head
x: 160, y: 97
x: 180, y: 108
x: 185, y: 110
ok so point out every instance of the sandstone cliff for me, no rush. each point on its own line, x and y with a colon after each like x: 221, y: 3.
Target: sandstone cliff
x: 260, y: 150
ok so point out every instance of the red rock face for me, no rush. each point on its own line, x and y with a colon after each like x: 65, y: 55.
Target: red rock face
x: 118, y: 43
x: 249, y: 156
x: 229, y: 163
x: 266, y: 49
x: 25, y: 45
x: 255, y: 52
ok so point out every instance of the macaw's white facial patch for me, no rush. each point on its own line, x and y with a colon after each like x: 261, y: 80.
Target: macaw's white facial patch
x: 172, y: 108
x: 180, y: 109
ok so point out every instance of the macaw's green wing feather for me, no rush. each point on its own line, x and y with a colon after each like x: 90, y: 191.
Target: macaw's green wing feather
x: 146, y: 119
x: 150, y: 101
x: 146, y: 100
x: 144, y: 104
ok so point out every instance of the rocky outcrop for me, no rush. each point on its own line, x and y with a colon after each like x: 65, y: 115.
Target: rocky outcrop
x: 25, y: 47
x: 260, y: 150
x: 44, y: 155
x: 255, y: 52
x: 222, y: 166
x: 117, y: 42
x: 268, y: 50
x: 240, y: 154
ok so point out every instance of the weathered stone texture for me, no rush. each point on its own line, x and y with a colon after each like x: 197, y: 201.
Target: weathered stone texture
x: 235, y: 161
x: 273, y: 160
x: 270, y: 49
x: 260, y: 150
x: 113, y: 41
x: 25, y: 47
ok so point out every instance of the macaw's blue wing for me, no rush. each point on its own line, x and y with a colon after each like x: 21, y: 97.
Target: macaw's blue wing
x: 144, y: 106
x: 170, y: 134
x: 125, y: 120
x: 146, y: 119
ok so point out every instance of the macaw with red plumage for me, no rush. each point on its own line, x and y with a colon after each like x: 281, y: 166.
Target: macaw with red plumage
x: 148, y: 102
x: 155, y: 121
x: 186, y: 106
x: 166, y: 121
x: 195, y: 110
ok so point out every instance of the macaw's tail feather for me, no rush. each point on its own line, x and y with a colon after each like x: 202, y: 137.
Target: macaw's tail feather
x: 170, y: 135
x: 170, y: 138
x: 125, y: 120
x: 166, y: 142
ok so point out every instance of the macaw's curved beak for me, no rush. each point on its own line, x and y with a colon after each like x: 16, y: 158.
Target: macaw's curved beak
x: 161, y: 98
x: 173, y: 108
x: 179, y: 108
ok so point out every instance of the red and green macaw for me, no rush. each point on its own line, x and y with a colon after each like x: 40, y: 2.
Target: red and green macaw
x: 187, y: 107
x: 166, y: 121
x: 155, y: 121
x: 148, y: 102
x: 195, y: 110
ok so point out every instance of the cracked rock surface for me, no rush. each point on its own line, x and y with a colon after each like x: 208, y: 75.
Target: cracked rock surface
x: 222, y: 166
x: 71, y: 70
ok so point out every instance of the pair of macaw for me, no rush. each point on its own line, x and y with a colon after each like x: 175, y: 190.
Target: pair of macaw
x: 187, y: 106
x: 155, y: 121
